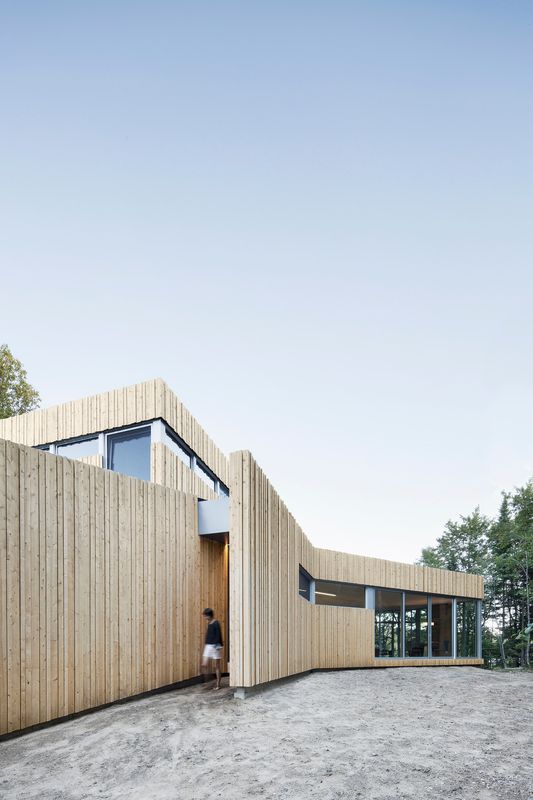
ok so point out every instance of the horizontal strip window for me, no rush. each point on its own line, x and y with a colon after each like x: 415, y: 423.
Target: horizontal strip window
x: 177, y: 446
x: 78, y: 448
x: 330, y: 593
x: 205, y: 474
x: 407, y: 624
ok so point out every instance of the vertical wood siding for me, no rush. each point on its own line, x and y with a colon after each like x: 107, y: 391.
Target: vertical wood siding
x: 169, y: 470
x: 273, y: 631
x: 116, y: 409
x: 103, y: 579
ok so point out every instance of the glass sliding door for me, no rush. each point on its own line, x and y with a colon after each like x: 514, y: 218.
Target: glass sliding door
x: 416, y: 625
x: 466, y: 628
x: 441, y: 626
x: 388, y: 623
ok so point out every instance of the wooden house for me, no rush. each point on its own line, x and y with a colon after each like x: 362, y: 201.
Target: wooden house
x: 120, y: 520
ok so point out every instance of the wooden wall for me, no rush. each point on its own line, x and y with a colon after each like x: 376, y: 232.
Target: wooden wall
x: 334, y: 566
x: 115, y: 409
x: 102, y: 582
x: 169, y: 470
x: 273, y: 631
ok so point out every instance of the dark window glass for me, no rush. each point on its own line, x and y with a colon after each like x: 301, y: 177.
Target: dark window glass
x: 388, y: 623
x: 204, y: 474
x: 416, y: 625
x: 79, y: 449
x: 129, y: 453
x: 304, y: 584
x: 223, y: 489
x: 330, y: 593
x: 441, y: 626
x: 466, y: 629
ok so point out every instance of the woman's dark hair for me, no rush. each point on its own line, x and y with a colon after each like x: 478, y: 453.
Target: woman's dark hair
x: 208, y: 612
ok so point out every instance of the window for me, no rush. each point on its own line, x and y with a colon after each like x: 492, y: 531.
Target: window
x: 466, y: 628
x: 304, y: 584
x: 441, y: 626
x: 223, y: 490
x: 388, y: 623
x: 42, y: 447
x: 330, y: 593
x: 416, y: 625
x: 79, y: 448
x: 177, y: 447
x: 204, y: 474
x: 129, y: 453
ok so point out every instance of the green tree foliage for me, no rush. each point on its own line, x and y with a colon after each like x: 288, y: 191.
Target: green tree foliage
x: 16, y: 394
x: 463, y: 545
x: 502, y: 551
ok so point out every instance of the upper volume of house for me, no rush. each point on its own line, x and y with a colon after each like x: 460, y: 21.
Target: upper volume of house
x: 142, y: 430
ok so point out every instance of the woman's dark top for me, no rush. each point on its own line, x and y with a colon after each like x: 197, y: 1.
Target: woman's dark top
x: 213, y: 634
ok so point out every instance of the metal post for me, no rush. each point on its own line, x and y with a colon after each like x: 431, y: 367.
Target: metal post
x: 430, y: 630
x: 454, y: 627
x: 370, y: 597
x: 479, y: 643
x: 402, y: 627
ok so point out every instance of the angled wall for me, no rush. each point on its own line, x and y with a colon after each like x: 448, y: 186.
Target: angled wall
x: 274, y: 632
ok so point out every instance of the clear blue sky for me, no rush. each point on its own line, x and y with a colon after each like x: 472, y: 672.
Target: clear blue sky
x: 314, y: 220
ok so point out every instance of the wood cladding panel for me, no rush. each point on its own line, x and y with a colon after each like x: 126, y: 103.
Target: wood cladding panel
x: 333, y: 566
x: 102, y: 582
x: 169, y: 470
x: 273, y: 631
x: 115, y: 409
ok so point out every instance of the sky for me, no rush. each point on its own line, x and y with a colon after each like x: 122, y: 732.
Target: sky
x: 313, y: 220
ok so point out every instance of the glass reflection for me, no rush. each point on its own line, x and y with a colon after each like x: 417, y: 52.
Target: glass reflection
x: 388, y: 623
x: 466, y: 629
x: 441, y: 626
x: 79, y: 449
x: 331, y: 593
x: 416, y: 625
x: 304, y: 584
x: 129, y: 453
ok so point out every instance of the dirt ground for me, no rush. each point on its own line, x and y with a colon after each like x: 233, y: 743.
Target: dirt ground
x: 430, y: 734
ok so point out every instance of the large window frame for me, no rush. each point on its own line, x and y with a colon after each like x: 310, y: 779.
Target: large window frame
x: 448, y: 622
x: 160, y: 431
x: 123, y: 432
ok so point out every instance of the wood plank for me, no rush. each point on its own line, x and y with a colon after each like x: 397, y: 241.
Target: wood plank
x: 3, y: 590
x: 13, y: 587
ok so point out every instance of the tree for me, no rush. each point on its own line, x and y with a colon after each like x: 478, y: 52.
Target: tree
x: 16, y: 395
x: 462, y: 546
x: 502, y: 551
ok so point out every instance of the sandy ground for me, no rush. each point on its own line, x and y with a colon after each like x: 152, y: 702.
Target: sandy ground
x: 453, y: 732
